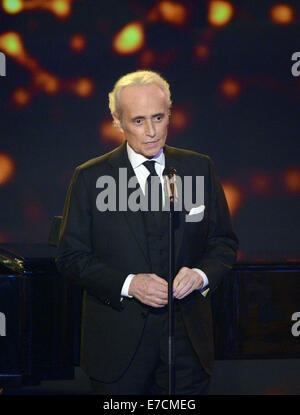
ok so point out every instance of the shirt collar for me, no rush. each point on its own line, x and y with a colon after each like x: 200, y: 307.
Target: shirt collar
x: 137, y: 159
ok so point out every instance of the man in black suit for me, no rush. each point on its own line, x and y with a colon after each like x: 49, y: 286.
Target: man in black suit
x: 119, y: 256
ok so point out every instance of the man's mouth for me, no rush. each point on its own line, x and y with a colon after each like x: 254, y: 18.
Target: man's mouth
x: 152, y: 142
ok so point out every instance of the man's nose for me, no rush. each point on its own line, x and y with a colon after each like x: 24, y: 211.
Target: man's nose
x: 150, y: 128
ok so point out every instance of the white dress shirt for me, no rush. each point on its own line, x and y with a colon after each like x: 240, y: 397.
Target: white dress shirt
x: 142, y: 173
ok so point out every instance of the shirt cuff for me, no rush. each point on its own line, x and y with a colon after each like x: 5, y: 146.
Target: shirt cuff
x: 125, y: 288
x: 204, y: 290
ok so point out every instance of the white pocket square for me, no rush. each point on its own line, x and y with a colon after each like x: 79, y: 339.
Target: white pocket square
x: 196, y: 210
x: 196, y: 214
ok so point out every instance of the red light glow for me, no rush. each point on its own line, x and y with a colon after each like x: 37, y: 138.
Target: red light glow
x: 233, y: 196
x: 109, y: 133
x: 282, y: 14
x: 7, y: 168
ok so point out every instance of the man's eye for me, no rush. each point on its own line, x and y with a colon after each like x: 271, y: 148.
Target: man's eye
x: 158, y: 117
x: 138, y: 121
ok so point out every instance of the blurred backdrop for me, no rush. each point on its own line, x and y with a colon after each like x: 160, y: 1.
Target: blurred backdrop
x: 235, y: 98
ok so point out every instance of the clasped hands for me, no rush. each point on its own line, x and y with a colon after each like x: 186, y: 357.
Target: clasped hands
x: 152, y: 290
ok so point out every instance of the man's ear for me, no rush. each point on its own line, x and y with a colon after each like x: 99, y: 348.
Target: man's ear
x: 117, y: 122
x: 169, y: 114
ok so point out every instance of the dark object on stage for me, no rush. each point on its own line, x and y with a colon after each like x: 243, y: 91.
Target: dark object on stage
x: 36, y: 305
x: 55, y: 230
x: 252, y: 312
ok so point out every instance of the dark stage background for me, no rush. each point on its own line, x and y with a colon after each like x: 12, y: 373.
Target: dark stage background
x: 235, y: 99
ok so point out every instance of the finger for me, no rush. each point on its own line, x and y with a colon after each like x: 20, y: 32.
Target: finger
x: 184, y: 293
x: 176, y: 285
x: 161, y: 297
x: 192, y: 282
x: 157, y: 305
x: 181, y: 273
x: 157, y: 302
x: 179, y: 283
x: 186, y: 286
x: 155, y: 288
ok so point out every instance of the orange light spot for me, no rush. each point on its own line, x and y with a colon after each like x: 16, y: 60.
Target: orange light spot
x: 33, y: 212
x: 109, y: 133
x: 260, y: 183
x: 11, y: 43
x: 47, y: 82
x: 61, y: 8
x: 282, y: 14
x: 153, y: 14
x: 21, y: 97
x: 167, y: 57
x: 292, y: 180
x: 241, y: 256
x: 130, y: 39
x: 233, y: 197
x: 77, y: 42
x: 147, y: 58
x: 202, y: 52
x: 230, y: 88
x: 173, y: 12
x: 7, y: 168
x: 220, y: 12
x: 83, y: 87
x: 179, y: 119
x: 12, y: 6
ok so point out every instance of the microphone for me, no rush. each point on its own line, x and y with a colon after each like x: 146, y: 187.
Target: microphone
x: 170, y: 173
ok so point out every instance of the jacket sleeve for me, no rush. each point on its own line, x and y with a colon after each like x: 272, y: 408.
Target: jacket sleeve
x: 221, y: 243
x: 75, y: 259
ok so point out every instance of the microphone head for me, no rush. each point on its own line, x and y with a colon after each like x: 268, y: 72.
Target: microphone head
x: 169, y: 171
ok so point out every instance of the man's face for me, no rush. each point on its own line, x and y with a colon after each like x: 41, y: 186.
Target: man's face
x: 144, y: 118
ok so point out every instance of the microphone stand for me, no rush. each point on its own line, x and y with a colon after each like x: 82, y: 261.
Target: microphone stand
x: 170, y: 173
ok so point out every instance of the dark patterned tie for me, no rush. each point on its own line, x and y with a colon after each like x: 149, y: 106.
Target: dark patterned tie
x: 150, y: 165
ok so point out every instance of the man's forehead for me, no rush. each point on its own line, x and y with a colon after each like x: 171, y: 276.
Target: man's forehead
x: 142, y: 97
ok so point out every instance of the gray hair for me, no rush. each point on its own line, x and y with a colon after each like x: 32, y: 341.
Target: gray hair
x: 136, y: 78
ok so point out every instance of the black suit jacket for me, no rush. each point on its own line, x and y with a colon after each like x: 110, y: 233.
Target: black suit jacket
x: 99, y: 249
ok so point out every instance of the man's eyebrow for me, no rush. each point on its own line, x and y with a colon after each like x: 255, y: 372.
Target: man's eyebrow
x: 138, y: 117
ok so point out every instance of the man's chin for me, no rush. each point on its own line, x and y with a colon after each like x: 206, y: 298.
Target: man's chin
x: 152, y: 150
